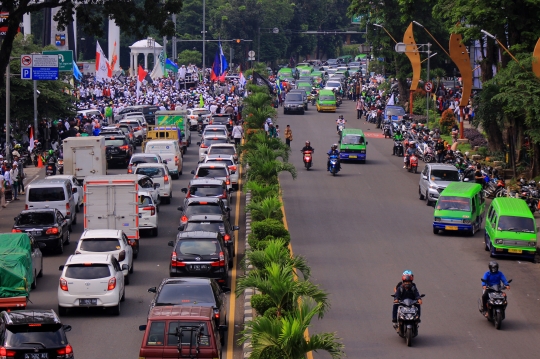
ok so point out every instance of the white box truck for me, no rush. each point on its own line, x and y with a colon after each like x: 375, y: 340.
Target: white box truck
x: 111, y: 202
x: 84, y: 156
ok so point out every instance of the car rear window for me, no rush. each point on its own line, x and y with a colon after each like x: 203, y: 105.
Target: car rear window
x: 224, y: 120
x: 205, y: 191
x: 188, y: 332
x: 50, y: 335
x: 197, y: 247
x: 143, y: 159
x: 212, y: 172
x: 396, y: 111
x: 215, y: 131
x: 115, y: 142
x: 88, y: 271
x: 100, y: 244
x: 185, y: 294
x: 221, y: 151
x: 145, y: 201
x: 35, y: 218
x: 50, y: 194
x: 293, y: 97
x: 205, y: 226
x: 196, y: 208
x: 202, y: 112
x: 150, y: 171
x: 209, y: 141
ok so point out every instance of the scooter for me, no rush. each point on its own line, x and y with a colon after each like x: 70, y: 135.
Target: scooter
x: 60, y: 166
x: 496, y: 304
x: 413, y: 164
x: 334, y: 165
x: 308, y: 159
x: 408, y: 319
x: 341, y: 127
x: 49, y: 171
x: 386, y: 131
x: 398, y: 148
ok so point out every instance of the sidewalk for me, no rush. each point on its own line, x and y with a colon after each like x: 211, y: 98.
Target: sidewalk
x: 32, y: 173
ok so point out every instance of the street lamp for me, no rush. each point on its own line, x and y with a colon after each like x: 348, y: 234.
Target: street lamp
x: 427, y: 58
x: 204, y: 39
x: 500, y: 44
x: 433, y: 37
x: 378, y: 25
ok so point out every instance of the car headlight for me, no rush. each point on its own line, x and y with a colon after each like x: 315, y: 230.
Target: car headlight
x: 433, y: 186
x: 467, y: 221
x: 498, y: 241
x: 532, y: 244
x: 437, y: 219
x: 302, y: 105
x: 362, y: 151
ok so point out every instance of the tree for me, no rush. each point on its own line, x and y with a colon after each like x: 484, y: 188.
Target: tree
x: 134, y: 17
x: 284, y: 338
x: 187, y: 57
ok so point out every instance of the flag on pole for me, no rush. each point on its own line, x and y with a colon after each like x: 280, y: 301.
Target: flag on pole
x: 158, y: 72
x: 391, y: 102
x: 141, y: 74
x: 242, y: 79
x: 76, y: 72
x: 220, y: 66
x: 102, y: 64
x: 171, y: 66
x: 31, y: 147
x: 201, y: 101
x: 114, y: 59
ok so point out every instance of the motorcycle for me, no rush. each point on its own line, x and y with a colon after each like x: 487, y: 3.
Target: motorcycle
x: 413, y: 164
x: 60, y: 166
x: 334, y: 165
x: 398, y: 148
x: 308, y: 157
x: 386, y: 131
x: 49, y: 170
x: 496, y: 304
x: 407, y: 325
x: 341, y: 127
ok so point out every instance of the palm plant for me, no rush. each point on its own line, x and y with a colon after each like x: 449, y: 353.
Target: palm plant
x: 261, y: 138
x: 260, y: 191
x: 267, y: 172
x: 256, y: 116
x: 269, y: 207
x: 283, y: 289
x: 284, y: 338
x: 277, y: 252
x: 257, y: 100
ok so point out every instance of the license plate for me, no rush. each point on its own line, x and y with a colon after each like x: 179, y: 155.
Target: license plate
x: 518, y: 251
x: 198, y: 267
x: 451, y: 228
x: 36, y: 233
x: 353, y: 156
x: 36, y: 356
x: 87, y: 301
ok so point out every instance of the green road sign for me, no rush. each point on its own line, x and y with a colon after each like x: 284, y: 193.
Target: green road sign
x: 65, y: 59
x: 356, y: 19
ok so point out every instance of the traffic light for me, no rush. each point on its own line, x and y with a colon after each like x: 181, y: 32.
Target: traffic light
x: 238, y: 41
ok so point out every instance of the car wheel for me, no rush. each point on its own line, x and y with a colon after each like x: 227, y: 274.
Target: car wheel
x: 60, y: 247
x: 428, y: 202
x: 126, y: 279
x: 34, y: 283
x: 116, y: 309
x: 155, y: 232
x: 420, y: 195
x: 132, y: 267
x: 62, y: 311
x: 435, y: 231
x: 40, y: 274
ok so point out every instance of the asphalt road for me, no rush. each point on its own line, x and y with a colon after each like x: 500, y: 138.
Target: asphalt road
x: 95, y: 333
x: 361, y: 229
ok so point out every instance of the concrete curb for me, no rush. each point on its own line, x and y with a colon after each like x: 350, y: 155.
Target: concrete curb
x: 249, y: 313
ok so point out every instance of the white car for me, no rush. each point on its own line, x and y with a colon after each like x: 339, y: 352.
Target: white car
x: 138, y: 130
x: 218, y: 171
x: 159, y: 173
x: 148, y: 218
x: 77, y: 188
x: 333, y: 85
x: 223, y: 149
x: 193, y: 115
x: 229, y: 161
x: 91, y: 280
x: 209, y: 141
x: 108, y: 241
x: 215, y: 130
x: 138, y: 158
x: 171, y: 154
x: 147, y: 185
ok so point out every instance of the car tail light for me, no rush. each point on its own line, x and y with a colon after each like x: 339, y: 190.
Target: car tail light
x: 216, y: 314
x: 152, y: 210
x: 228, y: 182
x: 176, y: 160
x: 16, y: 230
x: 68, y: 210
x: 227, y: 238
x: 175, y: 262
x: 63, y: 284
x: 53, y: 230
x: 65, y: 353
x: 183, y: 219
x: 221, y: 262
x: 232, y: 168
x: 112, y: 284
x: 124, y: 148
x: 166, y: 179
x: 25, y: 206
x: 137, y: 128
x: 203, y: 145
x: 224, y: 195
x: 130, y: 168
x: 7, y: 354
x: 121, y: 256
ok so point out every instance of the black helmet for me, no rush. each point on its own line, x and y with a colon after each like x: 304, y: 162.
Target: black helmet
x: 334, y: 146
x: 493, y: 267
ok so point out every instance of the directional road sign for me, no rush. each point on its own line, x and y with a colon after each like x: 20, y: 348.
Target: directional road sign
x: 39, y: 67
x: 65, y: 59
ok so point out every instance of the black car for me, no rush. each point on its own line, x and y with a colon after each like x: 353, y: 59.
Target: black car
x: 201, y: 292
x: 149, y: 112
x: 294, y: 102
x: 200, y: 254
x: 199, y: 205
x: 46, y: 225
x: 213, y: 223
x: 33, y: 334
x: 222, y: 119
x: 118, y: 149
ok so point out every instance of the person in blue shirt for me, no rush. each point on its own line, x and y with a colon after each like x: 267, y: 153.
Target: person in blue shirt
x: 333, y: 151
x: 492, y: 277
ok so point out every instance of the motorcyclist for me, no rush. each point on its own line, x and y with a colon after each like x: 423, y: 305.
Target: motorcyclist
x: 340, y: 121
x: 406, y: 289
x: 449, y: 158
x: 492, y: 277
x: 411, y: 150
x: 397, y: 137
x: 200, y: 123
x: 51, y: 159
x: 333, y: 151
x: 307, y: 147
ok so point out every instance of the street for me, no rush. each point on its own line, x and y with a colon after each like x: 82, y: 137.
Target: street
x: 97, y: 334
x: 361, y: 229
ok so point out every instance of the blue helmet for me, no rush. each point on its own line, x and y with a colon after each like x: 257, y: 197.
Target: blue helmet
x: 407, y: 276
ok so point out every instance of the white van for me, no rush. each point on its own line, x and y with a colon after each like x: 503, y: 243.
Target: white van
x: 170, y: 152
x: 53, y: 193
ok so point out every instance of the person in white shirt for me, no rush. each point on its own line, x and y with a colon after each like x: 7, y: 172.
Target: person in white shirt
x: 237, y: 133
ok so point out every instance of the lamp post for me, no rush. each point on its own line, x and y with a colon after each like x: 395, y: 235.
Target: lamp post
x: 204, y: 39
x: 501, y: 45
x: 379, y: 25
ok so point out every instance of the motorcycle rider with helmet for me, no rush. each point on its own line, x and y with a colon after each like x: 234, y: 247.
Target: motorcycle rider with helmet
x: 397, y: 137
x: 307, y: 147
x: 408, y: 153
x: 492, y: 277
x: 51, y: 159
x: 406, y: 289
x: 340, y: 121
x: 333, y: 151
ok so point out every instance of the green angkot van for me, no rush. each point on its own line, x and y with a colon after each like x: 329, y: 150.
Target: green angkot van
x: 510, y: 229
x: 460, y: 207
x: 326, y: 101
x: 352, y: 146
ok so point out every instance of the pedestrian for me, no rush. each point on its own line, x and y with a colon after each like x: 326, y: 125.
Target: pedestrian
x: 288, y: 135
x: 272, y: 132
x: 455, y: 133
x: 2, y: 191
x: 440, y: 150
x: 21, y: 175
x: 277, y: 131
x: 359, y: 107
x: 13, y: 179
x: 237, y: 133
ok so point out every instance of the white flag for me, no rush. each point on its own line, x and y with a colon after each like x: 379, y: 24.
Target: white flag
x: 102, y: 64
x: 391, y: 102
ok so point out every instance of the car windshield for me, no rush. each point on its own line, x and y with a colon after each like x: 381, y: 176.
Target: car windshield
x: 454, y: 204
x: 444, y: 175
x: 395, y: 111
x: 227, y: 162
x: 145, y: 201
x: 205, y: 226
x: 196, y: 208
x: 212, y: 172
x: 50, y: 335
x: 88, y: 271
x: 115, y: 143
x: 150, y: 171
x: 327, y: 98
x: 46, y: 194
x: 352, y: 140
x: 140, y: 159
x: 210, y: 141
x: 197, y: 247
x: 188, y: 333
x: 35, y: 218
x: 516, y: 224
x: 221, y: 151
x: 185, y: 294
x: 100, y: 244
x: 333, y: 84
x: 202, y: 112
x: 293, y: 97
x: 205, y: 191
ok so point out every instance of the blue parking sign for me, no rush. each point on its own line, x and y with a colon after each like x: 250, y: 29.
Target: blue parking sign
x: 26, y: 73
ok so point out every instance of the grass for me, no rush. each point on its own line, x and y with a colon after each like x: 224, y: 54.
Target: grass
x: 462, y: 147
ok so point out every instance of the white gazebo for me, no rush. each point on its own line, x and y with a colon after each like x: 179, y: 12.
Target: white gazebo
x: 146, y: 47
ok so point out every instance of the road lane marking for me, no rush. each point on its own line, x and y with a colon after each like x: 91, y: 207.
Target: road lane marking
x: 232, y: 296
x: 373, y: 135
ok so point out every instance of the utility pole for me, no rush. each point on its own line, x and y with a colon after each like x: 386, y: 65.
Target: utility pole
x: 427, y: 92
x: 204, y: 38
x: 8, y: 110
x: 174, y: 48
x: 35, y: 110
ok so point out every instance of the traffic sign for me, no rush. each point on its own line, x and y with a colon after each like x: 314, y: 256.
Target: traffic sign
x: 39, y: 67
x: 26, y: 73
x: 251, y: 53
x: 65, y: 59
x: 26, y: 60
x: 428, y: 86
x: 251, y: 58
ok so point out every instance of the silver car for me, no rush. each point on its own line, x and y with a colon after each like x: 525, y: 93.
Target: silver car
x: 434, y: 179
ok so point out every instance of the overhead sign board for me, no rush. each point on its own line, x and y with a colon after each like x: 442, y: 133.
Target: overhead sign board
x: 39, y: 67
x: 65, y: 59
